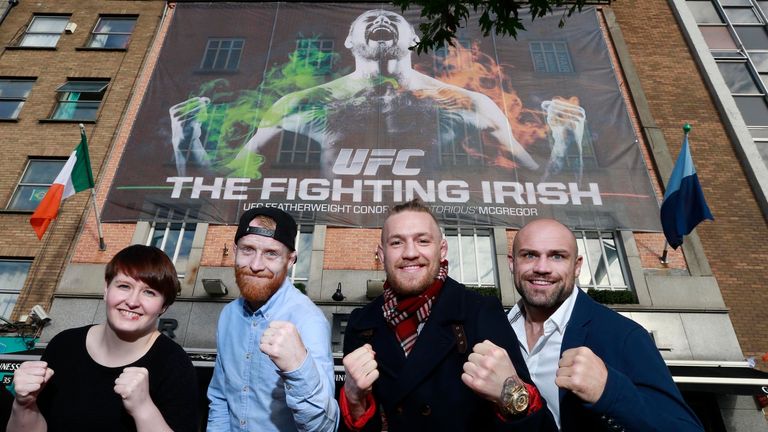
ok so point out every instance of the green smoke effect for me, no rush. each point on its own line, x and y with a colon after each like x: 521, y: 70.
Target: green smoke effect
x: 233, y: 116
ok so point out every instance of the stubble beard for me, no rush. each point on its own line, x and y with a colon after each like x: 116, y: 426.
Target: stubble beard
x: 552, y: 301
x: 407, y: 287
x: 257, y: 290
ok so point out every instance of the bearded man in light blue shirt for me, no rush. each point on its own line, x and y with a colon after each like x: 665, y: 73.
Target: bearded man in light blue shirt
x: 274, y: 369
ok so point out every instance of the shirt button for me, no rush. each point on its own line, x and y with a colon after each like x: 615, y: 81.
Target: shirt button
x: 247, y: 356
x: 399, y: 410
x: 287, y: 386
x: 426, y: 410
x: 242, y: 422
x: 245, y: 388
x: 253, y: 324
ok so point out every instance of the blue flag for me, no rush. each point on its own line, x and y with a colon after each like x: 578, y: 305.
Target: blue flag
x: 684, y: 205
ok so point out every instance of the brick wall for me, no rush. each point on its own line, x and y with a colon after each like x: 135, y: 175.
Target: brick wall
x: 736, y: 244
x: 28, y: 137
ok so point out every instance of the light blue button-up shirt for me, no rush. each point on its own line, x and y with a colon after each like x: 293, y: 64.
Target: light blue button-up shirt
x: 249, y: 393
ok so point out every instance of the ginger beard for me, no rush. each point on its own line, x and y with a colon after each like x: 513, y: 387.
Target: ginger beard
x: 257, y: 288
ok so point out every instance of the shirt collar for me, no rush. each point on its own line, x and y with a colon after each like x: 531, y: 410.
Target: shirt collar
x: 274, y: 302
x: 559, y: 319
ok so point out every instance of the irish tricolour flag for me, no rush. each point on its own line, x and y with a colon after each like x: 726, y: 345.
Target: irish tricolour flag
x: 76, y: 176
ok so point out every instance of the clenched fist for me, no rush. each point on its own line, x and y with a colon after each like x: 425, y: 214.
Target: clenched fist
x: 582, y: 372
x: 133, y: 387
x: 29, y: 380
x: 486, y: 370
x: 282, y: 343
x: 361, y: 372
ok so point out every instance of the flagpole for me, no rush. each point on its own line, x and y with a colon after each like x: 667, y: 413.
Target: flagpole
x: 102, y: 244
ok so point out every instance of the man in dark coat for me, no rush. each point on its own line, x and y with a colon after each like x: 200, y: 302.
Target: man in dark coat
x: 407, y: 352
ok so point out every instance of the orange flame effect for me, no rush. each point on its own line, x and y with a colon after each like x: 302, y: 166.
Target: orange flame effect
x: 471, y: 69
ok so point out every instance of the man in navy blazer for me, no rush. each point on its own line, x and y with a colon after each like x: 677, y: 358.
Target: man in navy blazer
x: 596, y: 369
x: 406, y: 353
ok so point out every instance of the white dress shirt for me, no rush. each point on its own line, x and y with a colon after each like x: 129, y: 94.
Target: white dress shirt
x: 543, y: 358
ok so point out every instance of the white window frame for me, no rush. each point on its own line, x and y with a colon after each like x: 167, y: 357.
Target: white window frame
x: 56, y: 35
x: 587, y: 264
x: 457, y: 233
x: 185, y: 226
x: 95, y: 34
x: 303, y: 230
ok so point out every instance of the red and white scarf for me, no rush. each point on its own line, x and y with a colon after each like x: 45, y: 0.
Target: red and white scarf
x: 406, y: 314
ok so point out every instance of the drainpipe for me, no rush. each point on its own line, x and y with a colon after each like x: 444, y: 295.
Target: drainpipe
x: 11, y: 4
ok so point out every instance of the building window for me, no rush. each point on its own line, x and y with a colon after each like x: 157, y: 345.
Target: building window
x: 44, y: 31
x: 452, y: 59
x: 704, y: 12
x: 13, y: 274
x: 222, y: 54
x: 13, y: 94
x: 471, y: 257
x: 738, y: 78
x: 603, y: 264
x: 298, y: 145
x: 175, y: 239
x: 338, y: 328
x: 300, y: 270
x: 112, y: 32
x: 551, y: 57
x: 79, y: 100
x: 316, y: 53
x: 38, y: 176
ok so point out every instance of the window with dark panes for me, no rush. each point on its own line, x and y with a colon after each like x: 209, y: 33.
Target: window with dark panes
x: 298, y: 141
x: 742, y: 15
x: 79, y: 100
x: 112, y: 32
x: 449, y: 59
x: 222, y: 54
x: 13, y: 94
x: 753, y: 109
x: 37, y: 178
x: 704, y: 12
x: 753, y: 37
x: 738, y: 78
x: 316, y: 53
x: 551, y: 57
x: 44, y: 31
x: 13, y: 274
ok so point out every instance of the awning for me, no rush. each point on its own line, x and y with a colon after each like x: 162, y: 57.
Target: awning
x: 727, y: 377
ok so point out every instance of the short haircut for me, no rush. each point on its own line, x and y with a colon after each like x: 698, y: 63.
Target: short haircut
x: 414, y: 205
x: 147, y: 264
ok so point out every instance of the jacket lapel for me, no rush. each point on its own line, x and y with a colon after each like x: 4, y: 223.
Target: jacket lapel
x: 435, y: 341
x: 578, y: 325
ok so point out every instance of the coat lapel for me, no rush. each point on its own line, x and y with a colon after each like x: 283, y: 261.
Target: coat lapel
x: 435, y: 341
x: 578, y: 326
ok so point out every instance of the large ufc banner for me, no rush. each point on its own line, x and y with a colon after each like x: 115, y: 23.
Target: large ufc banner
x: 321, y: 109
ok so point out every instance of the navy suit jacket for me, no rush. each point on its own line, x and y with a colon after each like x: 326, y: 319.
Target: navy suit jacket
x: 424, y: 391
x: 639, y: 394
